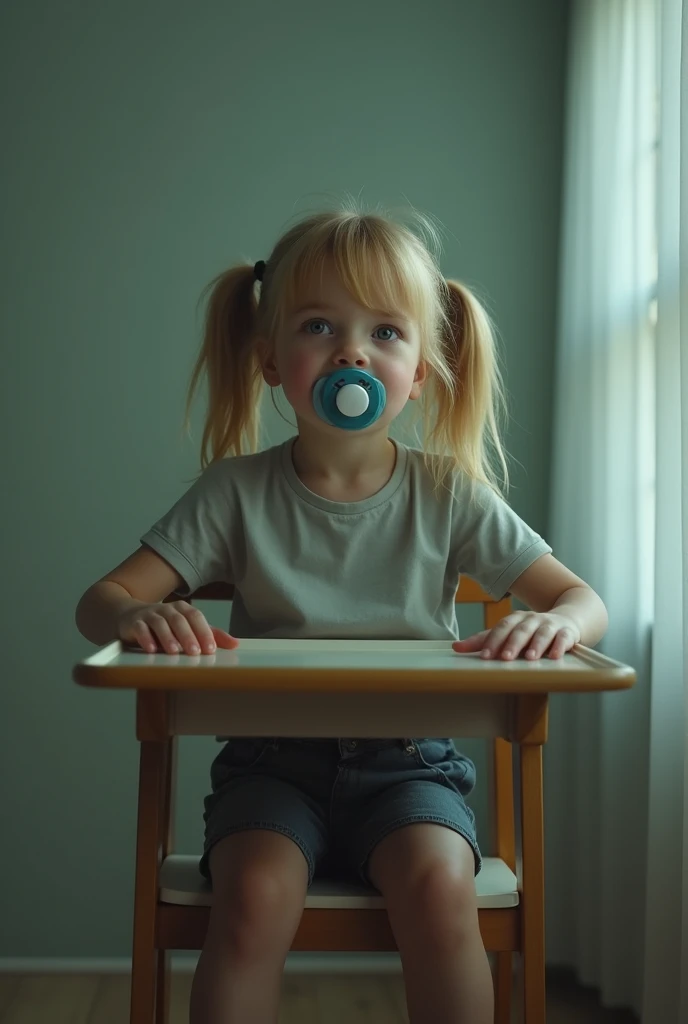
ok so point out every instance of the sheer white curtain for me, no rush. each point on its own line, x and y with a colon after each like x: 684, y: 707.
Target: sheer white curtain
x: 615, y: 767
x: 666, y: 950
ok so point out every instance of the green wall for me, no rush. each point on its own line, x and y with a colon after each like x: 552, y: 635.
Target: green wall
x: 147, y: 146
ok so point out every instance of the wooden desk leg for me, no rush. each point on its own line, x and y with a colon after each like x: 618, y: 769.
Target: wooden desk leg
x: 533, y: 867
x: 163, y: 980
x: 163, y: 984
x: 153, y: 768
x: 505, y: 847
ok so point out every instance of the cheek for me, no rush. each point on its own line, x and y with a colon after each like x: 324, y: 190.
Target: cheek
x: 299, y: 376
x: 398, y: 379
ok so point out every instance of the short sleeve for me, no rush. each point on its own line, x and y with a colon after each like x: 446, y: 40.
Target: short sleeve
x: 491, y: 543
x: 194, y: 535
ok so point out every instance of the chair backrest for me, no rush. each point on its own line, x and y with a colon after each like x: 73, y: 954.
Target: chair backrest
x: 468, y: 592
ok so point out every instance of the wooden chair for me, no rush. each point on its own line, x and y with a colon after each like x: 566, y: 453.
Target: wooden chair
x: 172, y: 899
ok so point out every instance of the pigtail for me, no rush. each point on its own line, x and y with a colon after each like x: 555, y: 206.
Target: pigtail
x: 381, y: 262
x: 470, y: 396
x: 229, y: 358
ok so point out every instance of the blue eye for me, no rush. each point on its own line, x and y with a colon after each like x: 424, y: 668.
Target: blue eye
x: 321, y: 333
x: 388, y: 329
x: 311, y: 322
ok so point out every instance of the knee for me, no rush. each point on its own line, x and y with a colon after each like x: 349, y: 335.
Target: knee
x: 258, y: 911
x: 439, y: 906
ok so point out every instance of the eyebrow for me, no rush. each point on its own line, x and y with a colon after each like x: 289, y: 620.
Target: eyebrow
x: 333, y: 309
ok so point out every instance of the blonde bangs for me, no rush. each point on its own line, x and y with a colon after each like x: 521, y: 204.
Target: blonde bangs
x: 380, y: 267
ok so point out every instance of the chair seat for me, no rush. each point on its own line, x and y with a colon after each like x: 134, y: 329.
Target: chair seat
x: 181, y: 883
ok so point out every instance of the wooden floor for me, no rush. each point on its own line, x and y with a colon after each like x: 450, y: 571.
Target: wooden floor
x: 306, y: 999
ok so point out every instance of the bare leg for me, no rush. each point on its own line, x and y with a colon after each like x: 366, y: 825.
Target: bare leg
x: 426, y: 874
x: 451, y: 982
x: 260, y: 880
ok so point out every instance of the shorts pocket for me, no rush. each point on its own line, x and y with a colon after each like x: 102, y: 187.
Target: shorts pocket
x: 239, y: 755
x: 442, y: 757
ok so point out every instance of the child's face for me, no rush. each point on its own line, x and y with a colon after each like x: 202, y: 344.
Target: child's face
x: 328, y: 330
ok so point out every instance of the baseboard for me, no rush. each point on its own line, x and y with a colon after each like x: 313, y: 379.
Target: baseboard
x: 296, y: 963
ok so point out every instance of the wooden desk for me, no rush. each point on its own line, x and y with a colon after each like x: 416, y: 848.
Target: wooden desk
x: 362, y: 688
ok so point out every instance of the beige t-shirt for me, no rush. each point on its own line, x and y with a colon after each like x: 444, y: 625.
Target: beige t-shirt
x: 306, y: 567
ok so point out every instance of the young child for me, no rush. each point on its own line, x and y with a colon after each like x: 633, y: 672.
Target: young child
x: 341, y: 532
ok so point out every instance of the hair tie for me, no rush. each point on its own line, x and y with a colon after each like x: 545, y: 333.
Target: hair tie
x: 259, y: 270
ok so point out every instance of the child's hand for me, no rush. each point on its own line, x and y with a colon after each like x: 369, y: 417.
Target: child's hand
x: 176, y: 626
x: 536, y: 631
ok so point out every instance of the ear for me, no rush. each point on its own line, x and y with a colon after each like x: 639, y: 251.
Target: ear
x: 266, y: 357
x: 419, y: 380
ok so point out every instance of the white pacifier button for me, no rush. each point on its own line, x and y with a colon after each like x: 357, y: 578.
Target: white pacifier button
x: 352, y: 400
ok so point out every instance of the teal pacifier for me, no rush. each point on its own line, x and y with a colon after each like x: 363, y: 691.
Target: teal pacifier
x: 350, y: 398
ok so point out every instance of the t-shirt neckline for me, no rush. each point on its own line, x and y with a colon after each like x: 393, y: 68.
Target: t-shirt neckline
x: 343, y: 507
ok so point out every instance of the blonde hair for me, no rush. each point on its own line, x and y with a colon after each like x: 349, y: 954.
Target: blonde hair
x: 385, y: 265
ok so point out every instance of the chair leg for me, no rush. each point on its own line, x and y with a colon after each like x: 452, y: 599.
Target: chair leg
x: 533, y: 867
x: 145, y: 963
x: 143, y: 986
x: 503, y: 988
x: 150, y: 989
x: 163, y: 982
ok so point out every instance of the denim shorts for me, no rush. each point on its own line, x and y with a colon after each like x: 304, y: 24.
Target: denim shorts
x: 337, y: 798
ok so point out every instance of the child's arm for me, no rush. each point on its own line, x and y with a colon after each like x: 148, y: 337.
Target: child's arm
x: 100, y: 609
x: 127, y: 604
x: 565, y: 611
x: 141, y: 579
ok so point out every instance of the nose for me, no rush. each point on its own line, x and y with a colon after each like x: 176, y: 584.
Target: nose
x: 350, y: 353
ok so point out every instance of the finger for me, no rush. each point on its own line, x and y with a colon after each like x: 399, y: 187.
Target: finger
x: 143, y: 636
x: 541, y: 640
x: 497, y: 643
x: 191, y: 630
x: 224, y: 640
x: 519, y: 638
x: 471, y: 643
x: 201, y: 639
x: 562, y: 642
x: 498, y: 636
x: 170, y: 629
